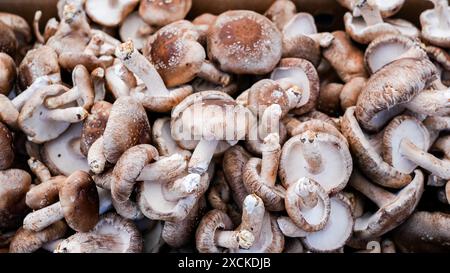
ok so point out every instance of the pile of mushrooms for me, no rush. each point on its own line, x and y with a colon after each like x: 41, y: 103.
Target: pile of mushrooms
x: 130, y: 126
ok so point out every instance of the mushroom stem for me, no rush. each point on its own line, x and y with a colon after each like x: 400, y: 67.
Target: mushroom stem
x: 40, y: 219
x: 308, y: 197
x: 312, y: 155
x: 441, y: 9
x: 181, y: 187
x: 234, y: 239
x: 429, y: 162
x: 270, y: 121
x: 98, y: 79
x: 163, y: 170
x: 431, y: 102
x: 291, y: 124
x: 202, y: 155
x: 324, y: 39
x: 377, y: 194
x: 209, y: 72
x: 95, y: 44
x: 369, y: 11
x: 71, y: 114
x: 37, y: 33
x: 65, y: 98
x: 96, y: 158
x: 271, y: 151
x: 252, y: 215
x: 40, y: 82
x: 39, y: 169
x: 140, y: 66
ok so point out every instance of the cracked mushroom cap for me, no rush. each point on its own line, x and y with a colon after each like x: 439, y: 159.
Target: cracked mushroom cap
x: 320, y: 156
x: 6, y: 146
x: 387, y: 7
x: 424, y: 232
x: 14, y: 184
x: 38, y: 62
x: 387, y: 48
x: 393, y: 209
x: 435, y: 24
x: 136, y: 29
x: 163, y: 12
x: 244, y: 42
x: 390, y: 87
x: 302, y: 74
x: 8, y: 73
x: 401, y: 128
x: 112, y: 234
x: 94, y: 125
x: 127, y: 126
x: 109, y: 13
x: 42, y: 124
x: 63, y: 154
x: 79, y: 201
x: 28, y: 241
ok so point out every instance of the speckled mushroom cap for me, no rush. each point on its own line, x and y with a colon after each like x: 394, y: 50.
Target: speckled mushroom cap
x: 435, y: 24
x: 396, y: 209
x: 63, y: 155
x: 33, y: 121
x: 392, y: 85
x: 368, y: 156
x: 14, y: 184
x: 6, y: 146
x: 8, y: 73
x: 303, y: 74
x: 400, y: 128
x: 175, y: 52
x: 128, y: 168
x: 79, y: 201
x: 244, y: 42
x: 385, y: 49
x: 94, y: 125
x: 386, y: 7
x: 163, y: 12
x: 112, y: 234
x: 38, y: 62
x: 8, y: 42
x: 320, y: 156
x: 127, y: 126
x: 109, y: 13
x: 204, y: 236
x: 28, y: 241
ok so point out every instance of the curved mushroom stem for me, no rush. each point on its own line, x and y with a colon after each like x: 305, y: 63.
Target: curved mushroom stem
x: 164, y: 169
x: 40, y: 219
x: 324, y: 39
x: 252, y: 214
x: 311, y: 154
x: 96, y: 158
x: 181, y: 187
x: 271, y: 151
x: 429, y: 162
x: 37, y: 33
x: 40, y: 82
x: 98, y: 79
x: 67, y: 97
x: 372, y: 247
x: 202, y: 155
x: 71, y: 114
x: 296, y: 96
x: 140, y: 66
x: 95, y: 45
x: 209, y: 72
x: 441, y: 9
x: 377, y: 194
x: 39, y: 169
x: 270, y: 121
x: 368, y: 9
x: 308, y: 197
x: 50, y: 28
x: 234, y: 239
x: 431, y: 102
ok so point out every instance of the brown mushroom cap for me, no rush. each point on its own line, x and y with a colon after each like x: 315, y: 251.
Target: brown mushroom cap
x: 244, y: 42
x: 14, y: 184
x: 351, y: 91
x: 8, y: 73
x: 79, y: 201
x: 127, y: 126
x: 320, y: 156
x: 109, y: 13
x: 344, y: 57
x: 302, y: 74
x: 94, y: 125
x: 392, y: 85
x: 367, y: 155
x: 111, y: 234
x: 8, y: 41
x: 329, y: 98
x: 19, y: 26
x: 204, y: 236
x: 393, y: 210
x: 161, y: 12
x: 27, y: 241
x: 38, y: 62
x: 233, y: 164
x: 6, y: 146
x: 424, y: 232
